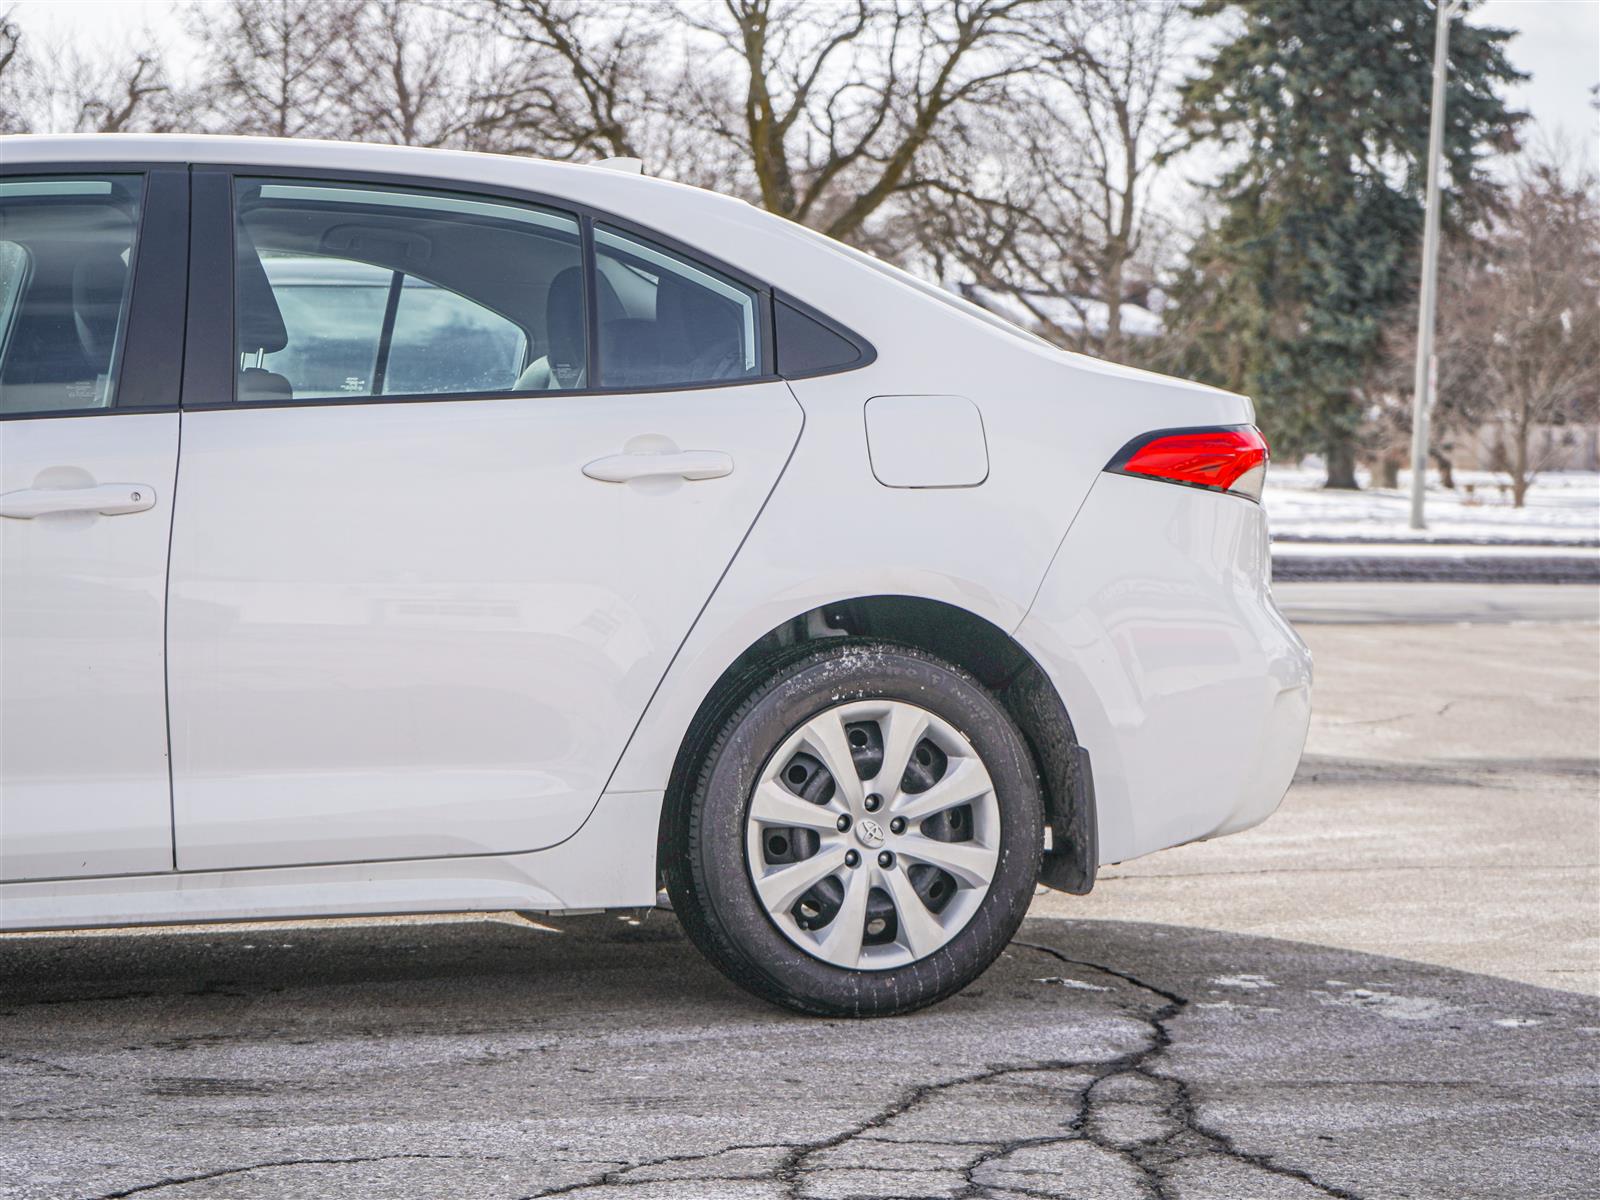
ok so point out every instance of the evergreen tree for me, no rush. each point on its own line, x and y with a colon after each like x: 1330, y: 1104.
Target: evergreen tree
x: 1323, y: 108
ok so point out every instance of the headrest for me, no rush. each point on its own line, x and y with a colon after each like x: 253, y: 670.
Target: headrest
x: 564, y: 320
x: 563, y: 317
x: 260, y: 321
x: 261, y: 386
x: 97, y: 283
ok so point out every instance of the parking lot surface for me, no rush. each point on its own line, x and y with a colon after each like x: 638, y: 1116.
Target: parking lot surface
x: 1388, y: 990
x: 1097, y: 1059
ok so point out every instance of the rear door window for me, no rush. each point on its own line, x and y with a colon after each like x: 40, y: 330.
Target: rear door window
x: 358, y: 291
x: 66, y: 250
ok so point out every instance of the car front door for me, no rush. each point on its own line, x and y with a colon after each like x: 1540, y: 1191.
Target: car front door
x: 464, y: 472
x: 91, y: 339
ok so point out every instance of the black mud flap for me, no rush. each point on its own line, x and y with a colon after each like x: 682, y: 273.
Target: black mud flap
x: 1071, y: 862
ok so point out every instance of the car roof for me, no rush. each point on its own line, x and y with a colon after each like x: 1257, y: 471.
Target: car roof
x: 579, y: 180
x: 837, y: 279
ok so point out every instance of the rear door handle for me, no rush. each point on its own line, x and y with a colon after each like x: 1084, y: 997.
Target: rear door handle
x: 682, y: 464
x: 107, y: 499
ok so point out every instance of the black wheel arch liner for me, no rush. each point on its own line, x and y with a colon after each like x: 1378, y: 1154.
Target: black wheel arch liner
x: 1066, y: 774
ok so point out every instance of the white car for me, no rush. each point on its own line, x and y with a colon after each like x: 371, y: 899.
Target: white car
x: 389, y: 530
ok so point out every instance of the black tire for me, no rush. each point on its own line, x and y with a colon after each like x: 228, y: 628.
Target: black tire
x: 706, y: 871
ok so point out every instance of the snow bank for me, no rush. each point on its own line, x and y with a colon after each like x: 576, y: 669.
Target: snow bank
x: 1561, y: 507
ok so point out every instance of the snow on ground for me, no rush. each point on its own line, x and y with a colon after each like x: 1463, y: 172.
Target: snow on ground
x: 1561, y: 506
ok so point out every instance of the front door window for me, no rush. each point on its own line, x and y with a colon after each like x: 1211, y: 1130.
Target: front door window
x: 66, y: 246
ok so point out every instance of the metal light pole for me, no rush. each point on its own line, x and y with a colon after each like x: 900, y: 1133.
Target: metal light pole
x: 1422, y: 393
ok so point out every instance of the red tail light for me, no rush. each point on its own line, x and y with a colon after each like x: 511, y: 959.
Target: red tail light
x: 1230, y: 459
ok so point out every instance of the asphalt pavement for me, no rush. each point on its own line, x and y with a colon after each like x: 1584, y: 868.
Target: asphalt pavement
x: 1429, y: 603
x: 1387, y: 990
x: 1414, y: 562
x: 1102, y: 1059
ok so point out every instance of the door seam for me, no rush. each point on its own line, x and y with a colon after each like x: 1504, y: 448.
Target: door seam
x: 172, y: 524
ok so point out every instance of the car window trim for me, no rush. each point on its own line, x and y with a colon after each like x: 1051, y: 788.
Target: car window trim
x: 591, y: 298
x: 148, y: 368
x: 212, y: 257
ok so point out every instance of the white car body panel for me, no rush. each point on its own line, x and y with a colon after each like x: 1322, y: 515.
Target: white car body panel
x: 83, y: 723
x: 300, y: 737
x: 984, y: 549
x: 417, y: 629
x: 1192, y: 690
x: 609, y: 863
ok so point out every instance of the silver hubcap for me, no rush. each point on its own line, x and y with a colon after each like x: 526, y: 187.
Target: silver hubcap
x: 873, y: 834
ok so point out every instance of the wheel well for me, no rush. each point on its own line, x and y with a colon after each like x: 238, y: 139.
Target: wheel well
x: 959, y: 637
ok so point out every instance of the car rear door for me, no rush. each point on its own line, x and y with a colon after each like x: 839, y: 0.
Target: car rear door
x: 92, y: 265
x: 450, y: 499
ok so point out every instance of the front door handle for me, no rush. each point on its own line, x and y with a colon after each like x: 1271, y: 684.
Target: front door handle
x: 107, y: 499
x: 681, y: 464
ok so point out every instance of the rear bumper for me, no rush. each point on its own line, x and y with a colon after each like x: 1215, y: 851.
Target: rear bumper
x: 1190, y: 690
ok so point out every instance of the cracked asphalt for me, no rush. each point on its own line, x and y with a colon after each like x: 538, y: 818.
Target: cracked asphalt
x: 1346, y: 1002
x: 1100, y: 1059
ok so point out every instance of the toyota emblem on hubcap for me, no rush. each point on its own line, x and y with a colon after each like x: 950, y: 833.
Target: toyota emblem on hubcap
x: 870, y: 833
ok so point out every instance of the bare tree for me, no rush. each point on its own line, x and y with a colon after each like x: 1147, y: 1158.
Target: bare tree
x: 1054, y: 209
x: 841, y: 104
x: 1519, y: 317
x: 416, y: 74
x: 13, y: 87
x: 577, y: 80
x: 1537, y: 313
x: 821, y: 112
x: 67, y: 89
x: 1108, y: 132
x: 281, y: 68
x: 1457, y: 412
x: 133, y: 95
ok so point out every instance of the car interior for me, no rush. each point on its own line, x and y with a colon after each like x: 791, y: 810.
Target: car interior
x: 481, y: 298
x: 65, y: 249
x: 499, y: 261
x: 346, y: 291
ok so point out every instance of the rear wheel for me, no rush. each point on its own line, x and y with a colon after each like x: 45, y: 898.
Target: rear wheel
x: 863, y: 835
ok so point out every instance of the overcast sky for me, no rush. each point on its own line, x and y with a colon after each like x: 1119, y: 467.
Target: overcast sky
x: 1558, y: 43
